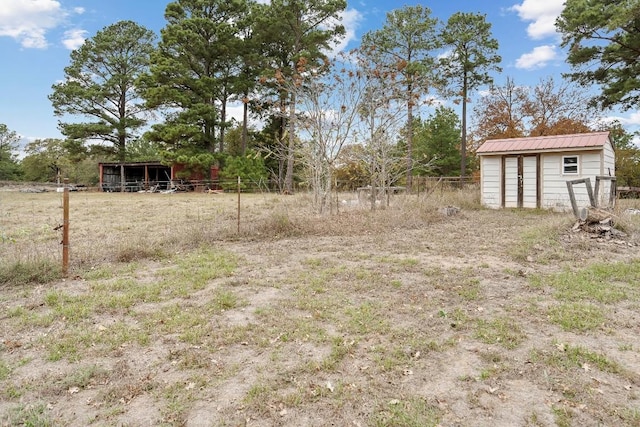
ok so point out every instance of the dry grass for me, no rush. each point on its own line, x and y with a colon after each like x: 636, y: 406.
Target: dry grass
x: 400, y: 316
x: 107, y: 227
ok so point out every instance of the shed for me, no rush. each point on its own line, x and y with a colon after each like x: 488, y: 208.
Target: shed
x: 533, y: 172
x: 135, y: 176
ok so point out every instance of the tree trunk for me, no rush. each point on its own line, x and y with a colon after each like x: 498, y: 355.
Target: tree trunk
x: 288, y: 178
x: 463, y: 139
x: 223, y: 120
x: 245, y: 124
x: 410, y: 140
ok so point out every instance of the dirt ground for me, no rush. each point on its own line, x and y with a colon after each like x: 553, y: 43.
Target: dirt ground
x: 443, y: 321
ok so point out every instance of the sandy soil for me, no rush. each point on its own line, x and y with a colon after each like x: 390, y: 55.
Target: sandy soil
x: 357, y: 329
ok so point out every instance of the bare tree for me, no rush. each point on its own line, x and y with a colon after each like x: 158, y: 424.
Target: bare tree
x: 328, y: 100
x: 512, y: 111
x: 404, y: 46
x: 382, y: 117
x: 500, y: 113
x: 553, y: 108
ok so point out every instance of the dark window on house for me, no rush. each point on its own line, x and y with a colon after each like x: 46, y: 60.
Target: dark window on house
x: 570, y: 165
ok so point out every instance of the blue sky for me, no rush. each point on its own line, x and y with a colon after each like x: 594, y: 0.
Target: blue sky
x: 37, y: 36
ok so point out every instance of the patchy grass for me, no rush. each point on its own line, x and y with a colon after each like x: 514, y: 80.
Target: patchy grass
x: 539, y: 243
x: 606, y: 283
x: 577, y: 317
x: 413, y: 412
x: 35, y: 414
x: 172, y: 317
x: 5, y: 370
x: 500, y: 330
x: 566, y: 357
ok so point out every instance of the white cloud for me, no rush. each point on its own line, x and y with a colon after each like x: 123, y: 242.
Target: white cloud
x: 631, y: 123
x: 543, y: 15
x: 444, y: 55
x: 235, y: 111
x: 79, y: 10
x: 351, y: 19
x: 632, y: 120
x: 73, y: 39
x: 537, y: 58
x: 28, y: 21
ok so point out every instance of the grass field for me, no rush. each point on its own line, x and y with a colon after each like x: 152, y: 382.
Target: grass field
x: 175, y: 312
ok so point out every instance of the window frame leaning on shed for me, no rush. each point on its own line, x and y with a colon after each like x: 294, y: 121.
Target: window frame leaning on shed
x: 558, y: 158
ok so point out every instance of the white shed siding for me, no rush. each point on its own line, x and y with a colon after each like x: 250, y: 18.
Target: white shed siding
x: 590, y: 165
x: 490, y: 181
x: 594, y: 153
x: 554, y: 195
x: 554, y: 189
x: 529, y: 193
x: 608, y: 161
x: 511, y: 182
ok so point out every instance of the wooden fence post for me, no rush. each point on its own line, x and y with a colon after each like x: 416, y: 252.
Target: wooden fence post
x: 65, y: 228
x: 238, y: 205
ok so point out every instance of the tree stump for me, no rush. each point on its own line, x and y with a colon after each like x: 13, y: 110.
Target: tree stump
x: 593, y: 215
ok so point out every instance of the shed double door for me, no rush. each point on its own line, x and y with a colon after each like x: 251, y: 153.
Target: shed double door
x: 520, y: 181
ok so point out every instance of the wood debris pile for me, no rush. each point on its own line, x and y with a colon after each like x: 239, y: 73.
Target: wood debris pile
x: 599, y: 222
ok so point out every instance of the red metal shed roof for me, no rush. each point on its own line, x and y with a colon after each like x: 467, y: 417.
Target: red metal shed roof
x: 540, y: 143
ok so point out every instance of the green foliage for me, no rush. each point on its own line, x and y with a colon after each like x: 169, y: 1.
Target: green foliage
x: 196, y: 163
x: 250, y: 168
x: 404, y: 44
x: 85, y: 172
x: 627, y: 155
x: 48, y: 160
x: 141, y: 149
x: 296, y: 35
x: 82, y: 377
x: 474, y: 54
x: 5, y: 370
x: 351, y: 171
x: 191, y: 72
x: 628, y: 167
x: 365, y: 319
x: 602, y: 38
x: 403, y: 47
x: 437, y: 144
x: 307, y: 26
x: 9, y: 167
x: 45, y: 160
x: 100, y: 85
x: 237, y: 143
